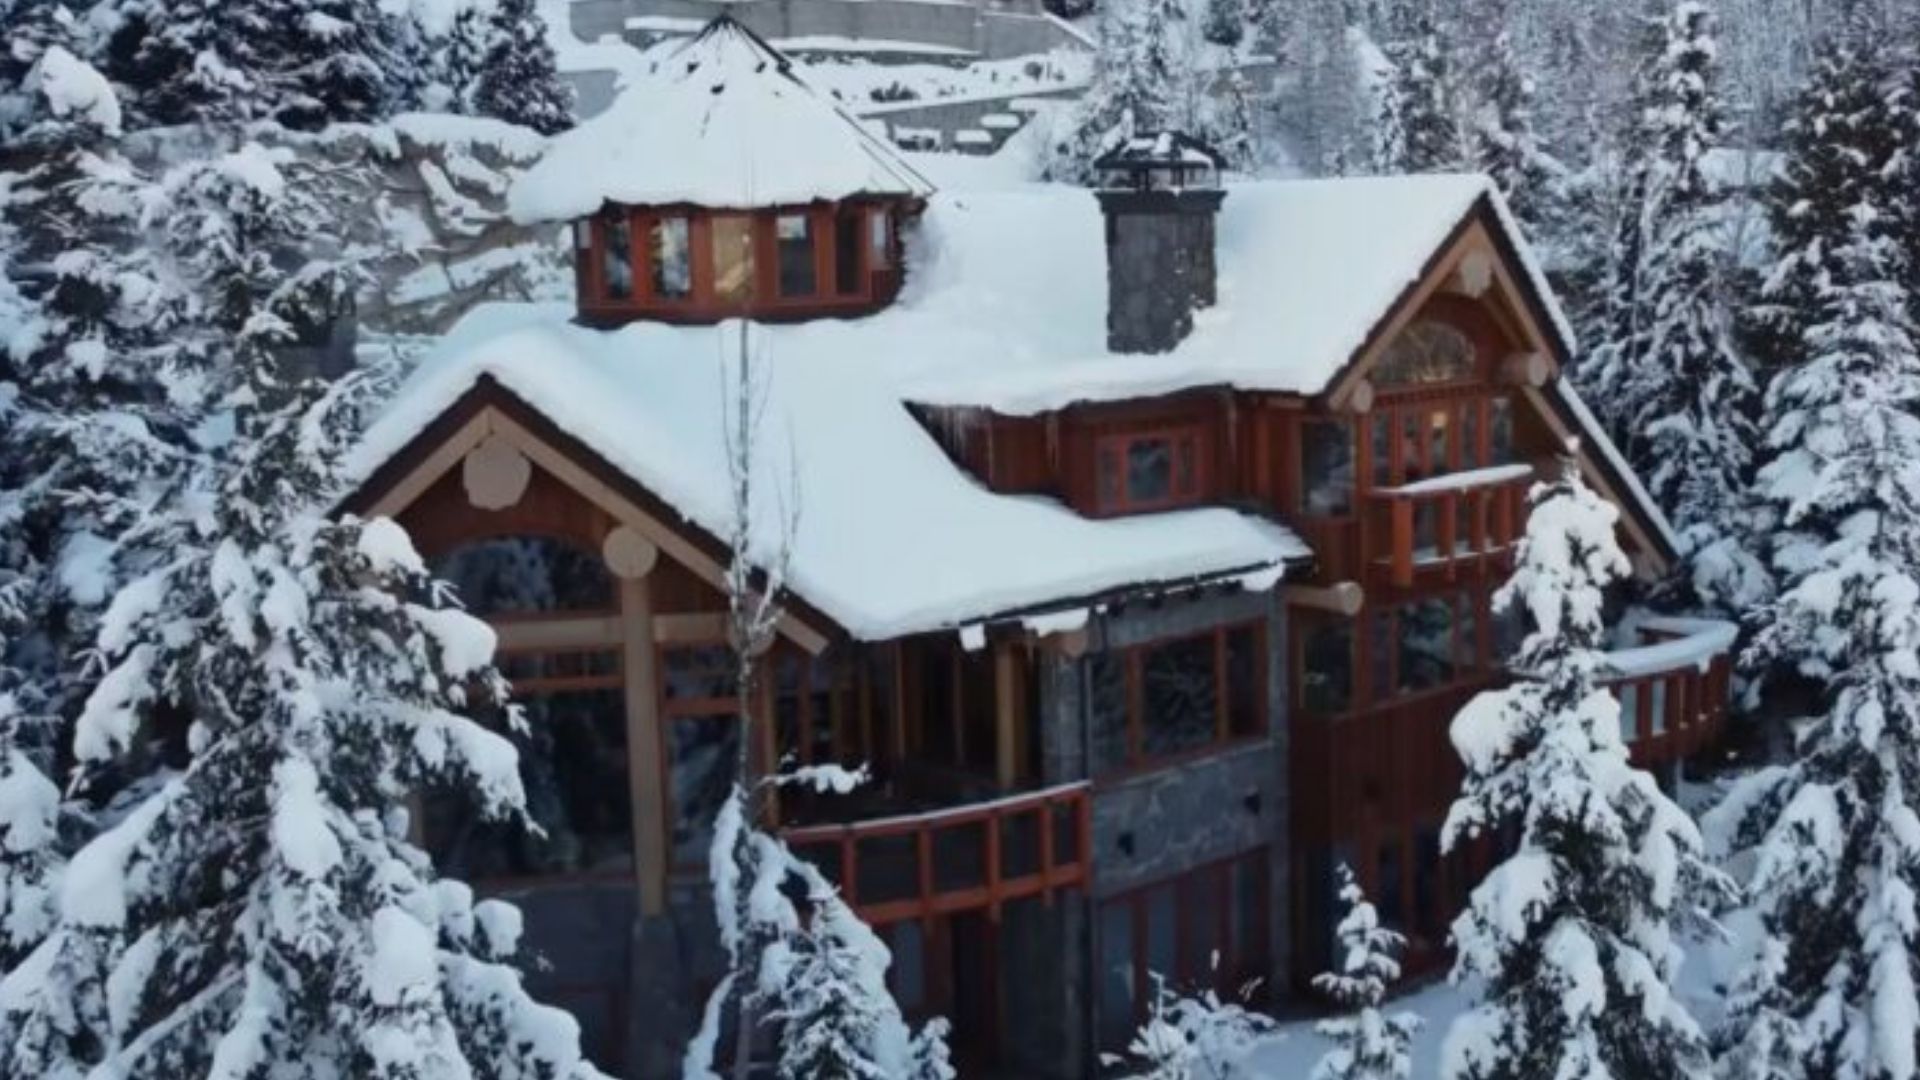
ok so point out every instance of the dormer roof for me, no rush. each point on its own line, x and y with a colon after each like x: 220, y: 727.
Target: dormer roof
x: 722, y: 122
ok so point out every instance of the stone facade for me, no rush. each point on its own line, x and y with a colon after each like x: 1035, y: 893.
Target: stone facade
x: 1160, y: 265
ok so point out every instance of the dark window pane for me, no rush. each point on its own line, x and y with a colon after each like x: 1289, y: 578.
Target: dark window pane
x: 1246, y: 690
x: 1439, y: 427
x: 703, y: 756
x: 573, y: 765
x: 1107, y: 679
x: 526, y: 574
x: 1118, y: 993
x: 937, y: 720
x: 1470, y: 435
x: 1501, y: 431
x: 1426, y: 353
x: 1382, y: 437
x: 1149, y: 470
x: 1181, y: 696
x: 697, y: 672
x: 1426, y: 645
x: 1163, y: 931
x: 588, y: 664
x: 732, y: 258
x: 847, y: 240
x: 670, y: 259
x: 1469, y: 630
x: 793, y: 234
x: 908, y: 974
x: 616, y: 255
x: 1412, y: 440
x: 1326, y: 467
x: 1326, y: 683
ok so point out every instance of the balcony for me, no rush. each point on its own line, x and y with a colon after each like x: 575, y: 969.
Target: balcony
x: 974, y: 857
x: 1673, y: 688
x: 1434, y: 529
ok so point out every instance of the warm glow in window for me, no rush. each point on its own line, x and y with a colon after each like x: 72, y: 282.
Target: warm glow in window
x: 1146, y: 472
x: 670, y: 258
x: 733, y: 259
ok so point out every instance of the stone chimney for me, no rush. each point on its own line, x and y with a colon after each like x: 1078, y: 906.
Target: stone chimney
x: 1160, y: 193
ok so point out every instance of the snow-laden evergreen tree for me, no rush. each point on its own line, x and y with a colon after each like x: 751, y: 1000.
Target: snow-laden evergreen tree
x: 835, y: 1014
x: 1425, y: 114
x: 1570, y: 938
x: 302, y: 63
x: 1133, y: 89
x: 518, y: 78
x: 262, y: 912
x: 1829, y: 986
x: 1671, y: 379
x: 1508, y: 147
x: 1225, y: 22
x: 1325, y: 111
x: 1366, y: 1044
x: 1849, y: 112
x: 1193, y: 1037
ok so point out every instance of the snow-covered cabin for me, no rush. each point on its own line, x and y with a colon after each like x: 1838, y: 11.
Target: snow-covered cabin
x: 1146, y: 615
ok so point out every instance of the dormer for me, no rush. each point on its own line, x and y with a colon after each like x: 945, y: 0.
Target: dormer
x: 723, y: 186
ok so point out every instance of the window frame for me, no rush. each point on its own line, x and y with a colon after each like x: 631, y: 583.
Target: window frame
x: 1227, y: 733
x: 1115, y: 448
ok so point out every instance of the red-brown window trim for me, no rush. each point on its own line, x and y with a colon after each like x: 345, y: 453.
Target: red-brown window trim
x: 1115, y: 446
x: 1225, y: 734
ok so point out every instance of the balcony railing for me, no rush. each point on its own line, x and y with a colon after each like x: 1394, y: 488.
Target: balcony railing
x: 1445, y: 523
x: 964, y: 858
x: 1674, y: 689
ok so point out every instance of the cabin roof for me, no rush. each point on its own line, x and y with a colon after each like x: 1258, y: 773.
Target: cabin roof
x: 892, y: 537
x: 721, y: 121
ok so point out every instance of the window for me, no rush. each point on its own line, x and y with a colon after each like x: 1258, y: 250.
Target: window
x: 1424, y: 354
x: 616, y: 255
x: 793, y: 241
x: 702, y: 735
x: 732, y: 258
x: 1415, y: 441
x: 1201, y: 930
x: 573, y: 765
x: 1502, y: 432
x: 1177, y: 697
x: 1326, y: 678
x: 526, y: 575
x: 1326, y: 468
x: 879, y: 239
x: 847, y: 239
x: 1148, y: 472
x: 1425, y: 644
x: 669, y: 256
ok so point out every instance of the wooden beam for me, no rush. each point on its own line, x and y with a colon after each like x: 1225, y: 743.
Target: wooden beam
x: 560, y: 634
x: 1342, y: 597
x: 646, y: 768
x: 437, y: 464
x: 1007, y: 721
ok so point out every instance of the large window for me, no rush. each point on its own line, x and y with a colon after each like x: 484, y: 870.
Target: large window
x: 1202, y: 930
x: 1418, y: 440
x: 1326, y: 468
x: 1424, y: 354
x: 670, y: 258
x: 733, y: 266
x: 1326, y: 662
x: 702, y: 729
x: 616, y: 255
x: 849, y: 277
x: 1427, y: 644
x: 1177, y: 697
x: 1148, y: 471
x: 793, y: 243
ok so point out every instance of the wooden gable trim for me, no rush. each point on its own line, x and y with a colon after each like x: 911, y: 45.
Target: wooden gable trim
x: 1480, y: 230
x: 490, y: 409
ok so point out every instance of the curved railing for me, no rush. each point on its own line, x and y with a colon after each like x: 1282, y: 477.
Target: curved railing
x: 1674, y: 688
x: 962, y: 858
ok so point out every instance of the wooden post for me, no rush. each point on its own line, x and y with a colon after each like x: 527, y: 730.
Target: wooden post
x: 1007, y: 725
x: 1402, y: 540
x: 646, y: 770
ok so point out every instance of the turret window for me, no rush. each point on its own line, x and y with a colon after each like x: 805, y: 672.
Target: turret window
x: 1153, y: 471
x: 616, y: 256
x: 732, y: 258
x: 670, y: 256
x: 793, y: 237
x: 847, y: 238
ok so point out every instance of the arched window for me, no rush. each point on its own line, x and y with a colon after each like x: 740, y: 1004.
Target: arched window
x: 1425, y: 354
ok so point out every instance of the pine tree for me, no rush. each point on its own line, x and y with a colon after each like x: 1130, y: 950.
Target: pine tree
x: 519, y: 77
x: 262, y: 912
x: 1571, y: 936
x: 833, y: 1016
x: 1194, y: 1037
x: 1829, y: 986
x: 1133, y: 89
x: 1325, y: 111
x: 1225, y: 22
x: 1366, y: 1045
x: 1508, y: 148
x: 1425, y: 108
x: 301, y: 63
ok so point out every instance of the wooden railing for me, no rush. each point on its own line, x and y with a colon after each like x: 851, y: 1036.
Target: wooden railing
x: 1447, y: 522
x: 1673, y: 690
x: 965, y: 858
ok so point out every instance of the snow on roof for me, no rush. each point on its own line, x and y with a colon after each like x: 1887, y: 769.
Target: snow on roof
x: 721, y: 121
x: 1306, y: 270
x: 893, y: 537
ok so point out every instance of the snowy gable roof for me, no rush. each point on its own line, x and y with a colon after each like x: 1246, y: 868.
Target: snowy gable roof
x: 893, y: 538
x: 723, y: 121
